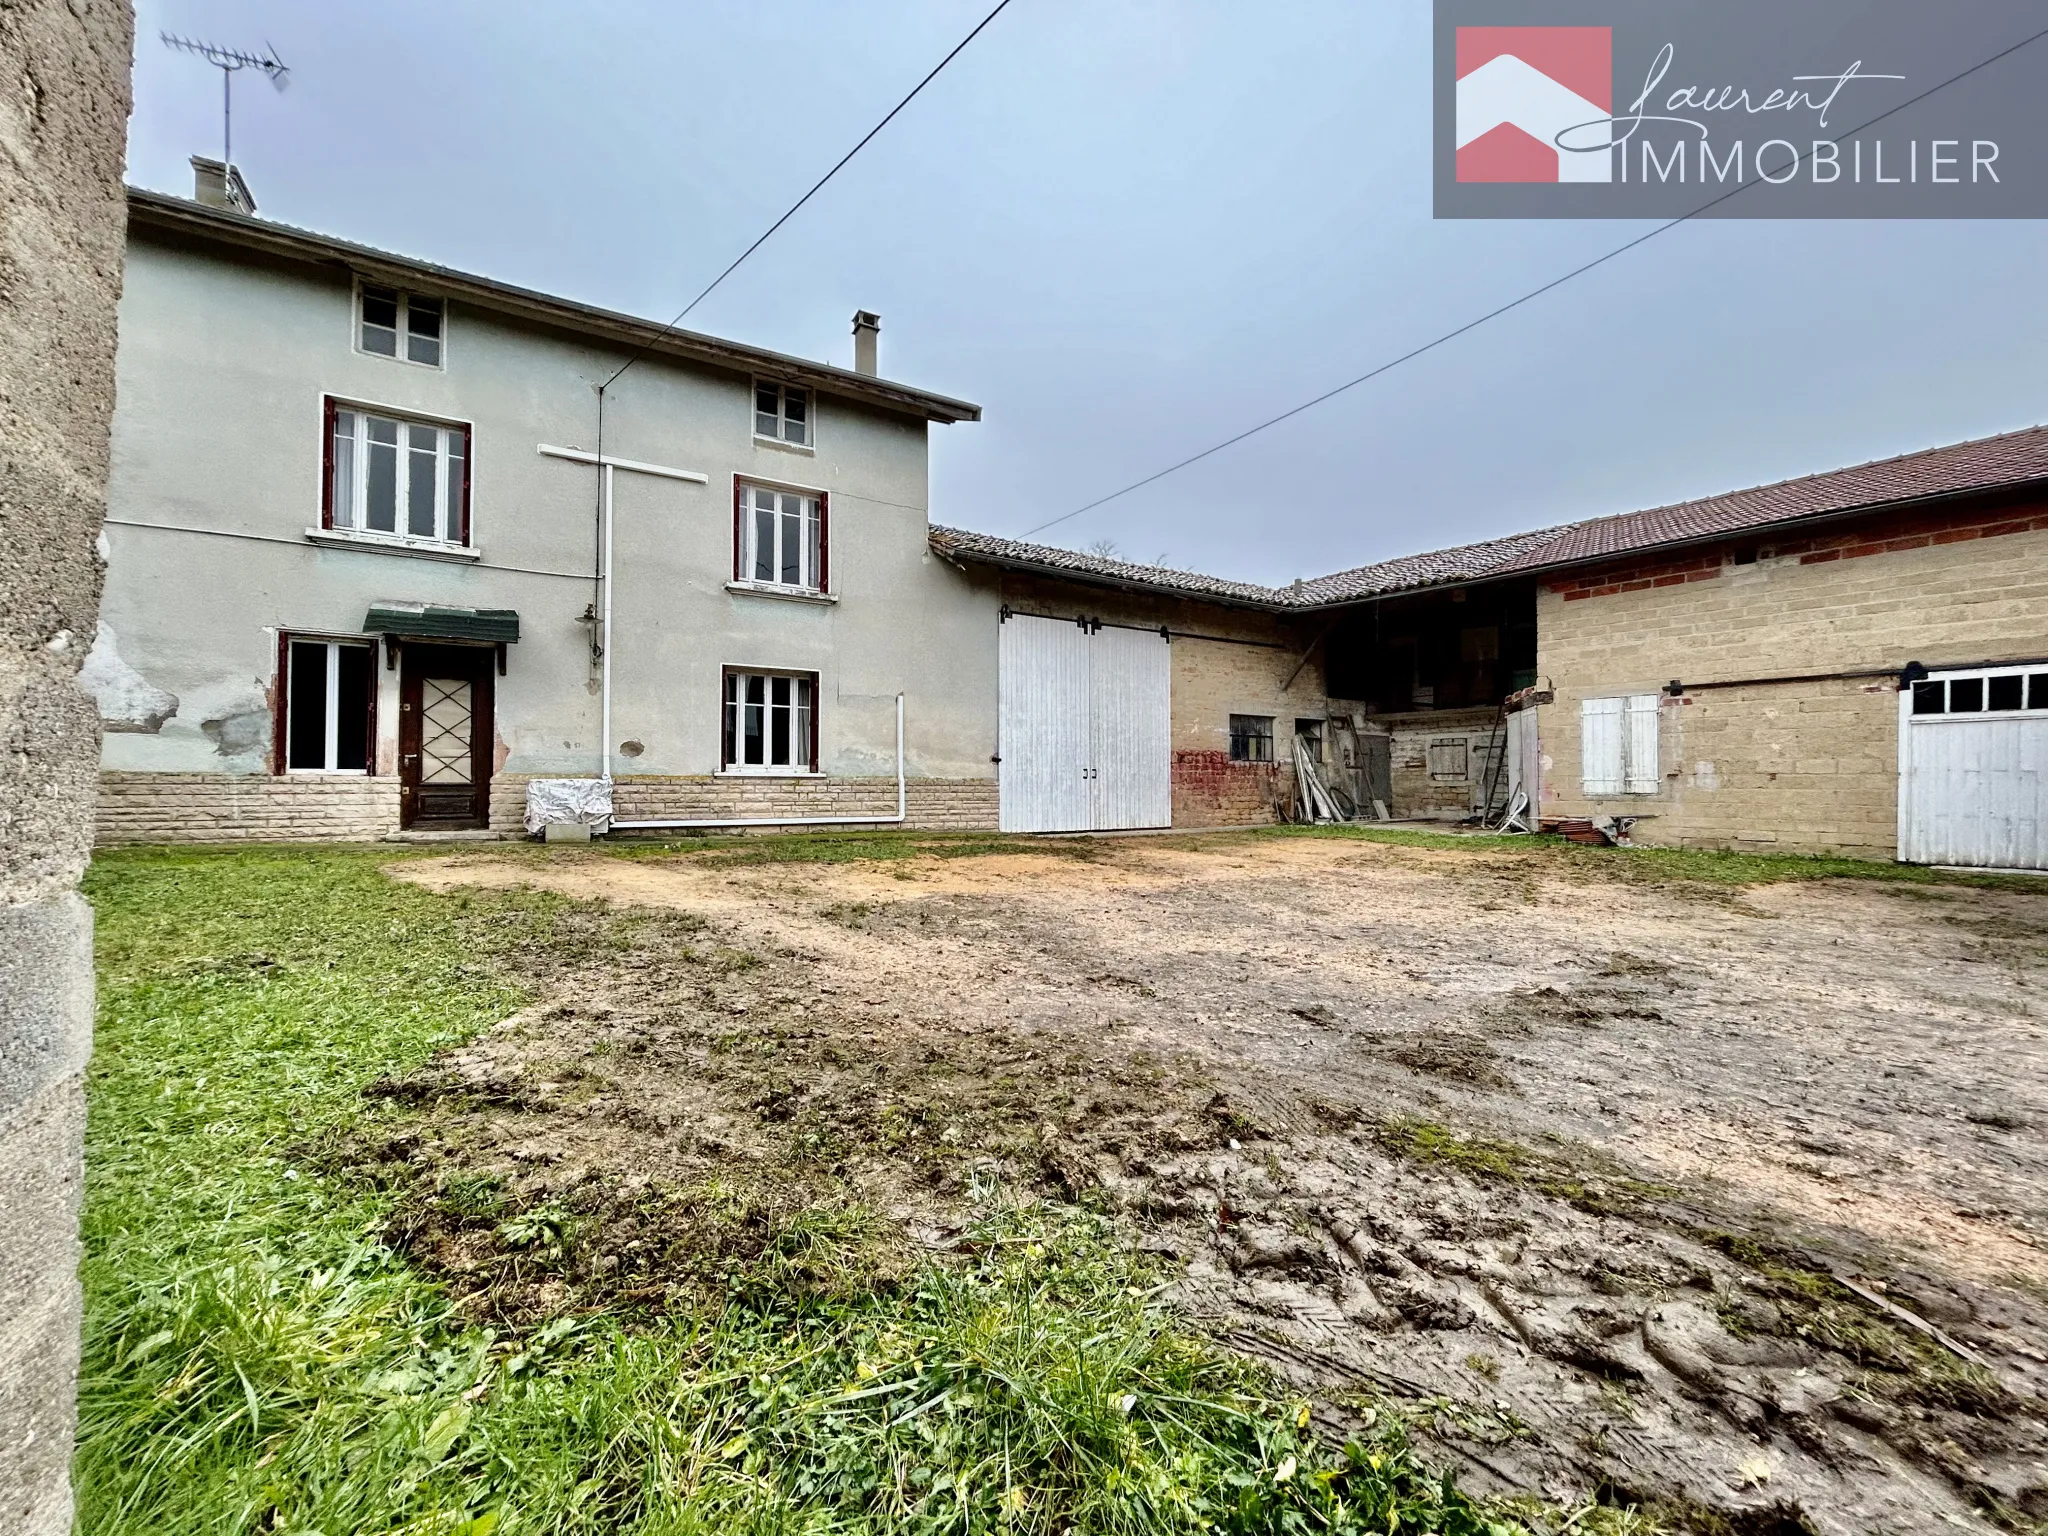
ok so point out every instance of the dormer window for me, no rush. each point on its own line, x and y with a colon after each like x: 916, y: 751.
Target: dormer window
x: 393, y: 323
x: 782, y: 414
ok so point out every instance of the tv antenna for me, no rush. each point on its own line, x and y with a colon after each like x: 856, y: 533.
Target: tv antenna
x: 228, y: 61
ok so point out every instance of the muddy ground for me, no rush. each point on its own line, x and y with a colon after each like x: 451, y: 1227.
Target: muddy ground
x: 1734, y: 1199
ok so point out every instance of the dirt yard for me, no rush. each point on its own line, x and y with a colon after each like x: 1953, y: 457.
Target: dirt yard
x: 1729, y: 1198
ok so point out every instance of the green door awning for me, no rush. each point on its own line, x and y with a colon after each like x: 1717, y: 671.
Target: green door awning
x: 430, y: 621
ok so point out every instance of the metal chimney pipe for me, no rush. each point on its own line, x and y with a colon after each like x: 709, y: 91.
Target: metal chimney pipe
x: 867, y: 329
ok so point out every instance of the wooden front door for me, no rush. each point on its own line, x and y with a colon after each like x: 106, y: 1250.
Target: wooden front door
x: 445, y: 737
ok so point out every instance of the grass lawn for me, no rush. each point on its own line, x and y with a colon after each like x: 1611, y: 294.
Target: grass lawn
x: 257, y: 1360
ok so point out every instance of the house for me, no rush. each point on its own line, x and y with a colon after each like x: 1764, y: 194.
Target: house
x: 371, y: 575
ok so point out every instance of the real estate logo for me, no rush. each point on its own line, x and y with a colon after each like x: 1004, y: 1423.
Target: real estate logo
x: 1860, y: 109
x: 1522, y: 91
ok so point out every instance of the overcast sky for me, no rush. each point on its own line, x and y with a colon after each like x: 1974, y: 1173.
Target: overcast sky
x: 1127, y: 231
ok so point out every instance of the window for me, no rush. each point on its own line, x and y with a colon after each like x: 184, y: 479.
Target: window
x: 402, y: 325
x: 770, y: 724
x: 330, y: 699
x: 1251, y: 738
x: 779, y: 540
x: 1618, y: 745
x: 1994, y: 693
x: 782, y: 413
x: 407, y: 479
x: 1450, y: 759
x: 1310, y: 734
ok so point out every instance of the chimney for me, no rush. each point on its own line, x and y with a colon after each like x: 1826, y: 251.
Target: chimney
x: 220, y: 186
x: 867, y: 328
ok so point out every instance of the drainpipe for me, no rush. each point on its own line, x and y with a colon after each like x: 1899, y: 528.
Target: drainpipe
x: 604, y: 770
x: 707, y: 823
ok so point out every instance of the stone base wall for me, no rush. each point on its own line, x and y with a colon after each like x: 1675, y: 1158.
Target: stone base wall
x: 244, y: 808
x: 932, y: 804
x: 241, y: 808
x: 1209, y: 790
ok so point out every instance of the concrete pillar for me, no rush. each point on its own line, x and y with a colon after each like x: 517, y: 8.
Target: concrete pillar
x: 63, y: 220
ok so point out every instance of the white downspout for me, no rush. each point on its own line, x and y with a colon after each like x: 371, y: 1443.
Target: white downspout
x: 604, y: 770
x: 902, y: 807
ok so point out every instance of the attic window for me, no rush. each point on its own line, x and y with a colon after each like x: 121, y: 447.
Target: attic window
x: 782, y: 414
x: 392, y: 323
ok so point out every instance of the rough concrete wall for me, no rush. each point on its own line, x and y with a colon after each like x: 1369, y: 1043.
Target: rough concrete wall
x: 63, y: 124
x: 1809, y: 767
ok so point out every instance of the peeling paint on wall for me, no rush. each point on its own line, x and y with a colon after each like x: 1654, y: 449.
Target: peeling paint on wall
x: 127, y: 700
x: 243, y: 734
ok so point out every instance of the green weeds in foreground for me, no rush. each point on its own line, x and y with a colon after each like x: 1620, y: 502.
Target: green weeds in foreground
x: 258, y: 1360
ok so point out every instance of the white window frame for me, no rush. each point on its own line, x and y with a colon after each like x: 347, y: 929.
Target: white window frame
x: 1941, y: 682
x: 352, y: 520
x: 1619, y: 745
x: 780, y: 438
x: 733, y: 705
x: 331, y: 706
x: 812, y: 532
x: 403, y: 329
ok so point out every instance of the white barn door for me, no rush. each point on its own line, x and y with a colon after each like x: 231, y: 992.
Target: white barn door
x: 1086, y: 732
x: 1973, y: 769
x: 1130, y: 686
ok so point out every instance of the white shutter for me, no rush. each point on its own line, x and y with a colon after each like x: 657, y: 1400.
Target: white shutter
x: 1600, y: 749
x: 1641, y: 770
x: 1130, y: 682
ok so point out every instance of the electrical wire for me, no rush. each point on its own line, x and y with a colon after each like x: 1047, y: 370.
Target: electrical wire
x: 598, y: 644
x: 1513, y: 304
x: 817, y: 187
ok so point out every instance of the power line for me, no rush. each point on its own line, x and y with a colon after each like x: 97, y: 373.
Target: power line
x: 815, y: 189
x: 1534, y: 293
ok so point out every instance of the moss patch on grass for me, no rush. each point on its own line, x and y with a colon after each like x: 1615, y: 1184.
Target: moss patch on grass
x: 258, y: 1358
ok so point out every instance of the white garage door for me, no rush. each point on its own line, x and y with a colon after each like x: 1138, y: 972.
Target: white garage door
x: 1086, y: 726
x: 1973, y: 768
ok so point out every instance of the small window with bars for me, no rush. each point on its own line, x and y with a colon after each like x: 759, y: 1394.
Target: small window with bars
x: 771, y: 722
x: 387, y: 475
x: 782, y: 414
x: 2004, y: 691
x: 329, y: 706
x: 1251, y: 738
x: 393, y: 323
x: 780, y: 540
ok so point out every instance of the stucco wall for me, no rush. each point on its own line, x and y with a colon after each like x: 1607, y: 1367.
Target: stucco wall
x: 217, y: 463
x: 1807, y: 767
x: 63, y: 123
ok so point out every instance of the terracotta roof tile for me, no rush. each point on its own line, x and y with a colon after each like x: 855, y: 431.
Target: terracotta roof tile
x: 2016, y: 458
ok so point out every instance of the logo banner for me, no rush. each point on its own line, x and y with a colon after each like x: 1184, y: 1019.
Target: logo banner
x: 1742, y: 109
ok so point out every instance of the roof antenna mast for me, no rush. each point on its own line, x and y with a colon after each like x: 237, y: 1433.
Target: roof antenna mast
x: 227, y: 61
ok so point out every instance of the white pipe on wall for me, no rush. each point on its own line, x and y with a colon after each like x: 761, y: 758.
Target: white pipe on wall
x: 902, y: 807
x: 604, y: 770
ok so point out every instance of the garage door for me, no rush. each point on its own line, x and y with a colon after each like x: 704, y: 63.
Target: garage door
x: 1973, y: 768
x: 1086, y: 726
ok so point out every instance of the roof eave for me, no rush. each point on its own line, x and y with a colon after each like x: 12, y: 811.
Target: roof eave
x: 162, y: 212
x: 1114, y: 583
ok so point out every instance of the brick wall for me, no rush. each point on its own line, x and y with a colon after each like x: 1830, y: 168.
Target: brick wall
x: 237, y: 807
x: 933, y: 804
x: 1209, y: 790
x: 1808, y: 767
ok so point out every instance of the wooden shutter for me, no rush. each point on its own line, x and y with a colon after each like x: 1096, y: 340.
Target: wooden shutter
x: 1640, y: 768
x: 1600, y: 746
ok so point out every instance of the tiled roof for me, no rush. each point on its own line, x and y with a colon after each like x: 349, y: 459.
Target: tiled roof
x: 986, y: 548
x: 1985, y: 464
x: 1990, y: 463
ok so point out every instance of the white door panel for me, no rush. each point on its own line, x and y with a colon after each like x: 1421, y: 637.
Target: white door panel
x: 1131, y: 679
x: 1973, y: 781
x: 1044, y: 721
